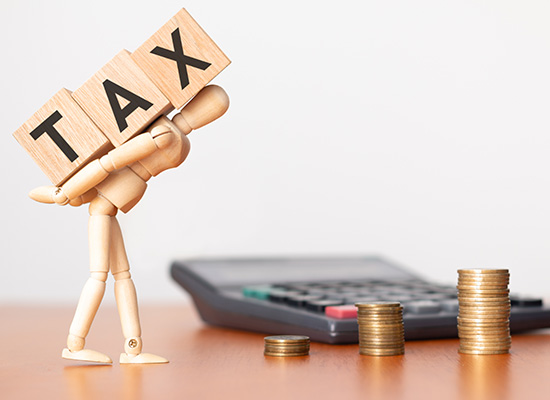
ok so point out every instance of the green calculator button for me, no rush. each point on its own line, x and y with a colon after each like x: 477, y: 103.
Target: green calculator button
x: 257, y: 292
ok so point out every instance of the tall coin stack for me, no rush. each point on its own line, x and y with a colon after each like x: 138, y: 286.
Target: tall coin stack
x: 381, y: 331
x: 286, y: 346
x: 484, y: 311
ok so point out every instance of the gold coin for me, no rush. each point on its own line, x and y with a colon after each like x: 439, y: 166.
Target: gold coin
x: 471, y: 343
x: 485, y: 349
x: 272, y: 354
x: 482, y: 285
x: 485, y: 306
x: 287, y: 346
x: 280, y: 339
x: 484, y: 313
x: 490, y: 279
x: 484, y: 291
x: 381, y: 351
x: 482, y: 352
x: 382, y: 338
x: 486, y: 301
x: 484, y: 309
x: 379, y: 316
x: 282, y: 351
x: 484, y: 331
x: 372, y: 352
x: 376, y: 331
x: 396, y: 344
x: 485, y: 281
x: 378, y: 304
x: 484, y: 271
x: 484, y: 337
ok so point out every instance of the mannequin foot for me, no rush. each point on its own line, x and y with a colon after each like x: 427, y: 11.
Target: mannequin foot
x: 142, y: 358
x: 86, y: 355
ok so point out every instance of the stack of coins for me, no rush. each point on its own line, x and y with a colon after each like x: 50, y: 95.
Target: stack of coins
x: 381, y: 331
x: 484, y: 311
x: 286, y: 346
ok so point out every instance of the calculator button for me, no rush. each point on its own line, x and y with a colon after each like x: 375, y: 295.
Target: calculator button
x: 341, y: 312
x: 422, y: 307
x: 526, y: 301
x: 435, y: 296
x: 360, y: 299
x: 320, y: 305
x: 450, y: 305
x: 280, y: 296
x: 258, y: 292
x: 301, y: 300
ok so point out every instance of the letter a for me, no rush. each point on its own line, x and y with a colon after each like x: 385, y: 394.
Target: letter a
x: 135, y: 102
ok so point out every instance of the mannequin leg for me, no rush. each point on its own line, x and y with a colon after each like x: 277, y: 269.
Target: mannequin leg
x: 92, y: 293
x: 126, y: 298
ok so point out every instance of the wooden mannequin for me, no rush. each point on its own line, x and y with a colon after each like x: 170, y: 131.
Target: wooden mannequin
x: 117, y: 181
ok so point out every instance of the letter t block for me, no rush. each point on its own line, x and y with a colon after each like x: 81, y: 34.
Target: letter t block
x: 61, y: 138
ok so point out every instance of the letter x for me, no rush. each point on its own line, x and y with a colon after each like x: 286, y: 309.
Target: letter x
x: 178, y: 56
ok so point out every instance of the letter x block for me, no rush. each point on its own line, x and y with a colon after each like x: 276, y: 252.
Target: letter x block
x: 60, y: 137
x: 180, y: 58
x: 121, y: 99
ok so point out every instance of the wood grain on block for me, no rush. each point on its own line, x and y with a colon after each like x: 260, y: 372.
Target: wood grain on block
x: 61, y: 138
x: 121, y: 99
x: 180, y: 58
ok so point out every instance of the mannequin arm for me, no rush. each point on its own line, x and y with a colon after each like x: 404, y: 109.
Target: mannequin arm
x: 96, y: 171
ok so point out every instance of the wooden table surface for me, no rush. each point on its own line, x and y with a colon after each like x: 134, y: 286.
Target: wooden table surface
x: 214, y: 363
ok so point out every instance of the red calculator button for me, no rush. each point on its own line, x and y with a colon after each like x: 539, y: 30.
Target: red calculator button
x: 341, y: 312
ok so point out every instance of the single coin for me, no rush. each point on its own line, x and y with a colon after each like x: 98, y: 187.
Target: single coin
x: 381, y: 329
x: 286, y: 339
x: 503, y: 329
x: 500, y: 293
x: 481, y: 352
x: 485, y: 338
x: 481, y: 285
x: 487, y: 309
x: 470, y: 343
x: 287, y: 347
x: 375, y: 320
x: 282, y: 351
x: 484, y: 331
x: 483, y: 271
x: 485, y: 349
x: 382, y: 338
x: 378, y: 304
x: 373, y: 352
x: 484, y: 313
x: 380, y: 315
x: 278, y: 354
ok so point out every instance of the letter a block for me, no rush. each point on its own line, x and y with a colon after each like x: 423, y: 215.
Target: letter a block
x: 121, y: 99
x: 60, y: 137
x: 180, y: 58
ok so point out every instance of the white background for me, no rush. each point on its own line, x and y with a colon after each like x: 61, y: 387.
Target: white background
x: 418, y: 130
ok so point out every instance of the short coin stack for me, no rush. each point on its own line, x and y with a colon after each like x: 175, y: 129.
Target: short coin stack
x: 381, y: 330
x: 484, y: 311
x: 286, y: 346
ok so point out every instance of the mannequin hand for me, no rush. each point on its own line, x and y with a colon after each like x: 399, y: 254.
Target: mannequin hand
x: 48, y: 195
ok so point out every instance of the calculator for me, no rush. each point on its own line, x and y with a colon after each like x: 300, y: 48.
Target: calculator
x: 316, y: 296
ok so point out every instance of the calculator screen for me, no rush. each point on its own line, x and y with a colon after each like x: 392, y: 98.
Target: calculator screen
x: 251, y: 271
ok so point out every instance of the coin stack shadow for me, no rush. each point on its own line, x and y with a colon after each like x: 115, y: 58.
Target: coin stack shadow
x: 381, y: 331
x: 286, y: 346
x: 484, y: 311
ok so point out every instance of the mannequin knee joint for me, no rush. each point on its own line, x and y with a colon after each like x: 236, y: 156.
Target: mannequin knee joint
x: 122, y: 275
x: 100, y: 276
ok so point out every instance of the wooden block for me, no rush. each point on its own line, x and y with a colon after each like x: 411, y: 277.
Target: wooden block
x: 180, y: 58
x: 60, y: 137
x: 121, y: 99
